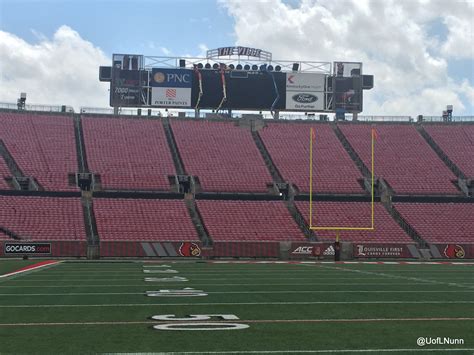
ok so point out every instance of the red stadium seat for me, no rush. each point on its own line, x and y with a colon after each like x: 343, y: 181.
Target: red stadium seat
x: 129, y: 154
x: 333, y: 169
x: 143, y: 220
x: 403, y: 158
x: 354, y: 214
x: 248, y: 221
x: 43, y: 218
x: 4, y: 172
x: 222, y: 155
x: 440, y: 222
x: 43, y: 147
x: 457, y: 141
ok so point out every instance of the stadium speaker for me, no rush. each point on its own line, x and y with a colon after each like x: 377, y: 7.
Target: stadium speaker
x: 239, y: 66
x: 182, y: 63
x: 247, y: 67
x: 254, y: 67
x: 139, y: 112
x: 126, y: 63
x: 277, y: 68
x: 200, y: 66
x: 63, y: 108
x: 149, y: 112
x: 263, y: 67
x: 215, y: 66
x: 231, y: 66
x: 135, y: 62
x: 355, y: 72
x: 270, y: 68
x: 295, y: 67
x: 207, y: 66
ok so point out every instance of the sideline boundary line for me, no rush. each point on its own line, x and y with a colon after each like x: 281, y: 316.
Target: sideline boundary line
x: 31, y: 268
x: 330, y: 351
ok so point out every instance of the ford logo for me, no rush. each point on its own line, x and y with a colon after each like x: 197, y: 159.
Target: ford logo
x: 305, y: 98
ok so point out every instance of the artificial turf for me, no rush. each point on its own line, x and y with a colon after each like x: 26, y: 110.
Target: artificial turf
x: 7, y: 266
x: 102, y: 307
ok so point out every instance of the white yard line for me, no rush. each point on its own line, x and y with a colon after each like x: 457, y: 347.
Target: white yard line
x: 315, y: 278
x: 228, y: 304
x: 239, y: 292
x: 391, y: 276
x: 219, y: 284
x: 327, y: 320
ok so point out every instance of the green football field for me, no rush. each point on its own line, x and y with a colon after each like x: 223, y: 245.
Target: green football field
x: 103, y: 307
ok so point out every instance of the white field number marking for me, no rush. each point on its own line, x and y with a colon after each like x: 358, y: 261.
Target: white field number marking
x: 201, y: 326
x: 194, y: 317
x: 167, y: 271
x: 186, y: 292
x: 166, y: 279
x: 195, y: 322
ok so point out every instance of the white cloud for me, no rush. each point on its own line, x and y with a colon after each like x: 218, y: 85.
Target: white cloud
x: 390, y: 37
x: 56, y: 71
x: 460, y: 42
x: 165, y: 51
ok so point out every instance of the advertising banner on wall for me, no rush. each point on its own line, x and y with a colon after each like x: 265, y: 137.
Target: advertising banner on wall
x: 171, y: 87
x: 362, y: 250
x: 305, y: 91
x: 456, y: 251
x: 27, y: 248
x: 306, y: 250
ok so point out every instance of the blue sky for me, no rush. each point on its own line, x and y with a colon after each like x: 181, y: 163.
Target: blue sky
x: 124, y: 26
x: 420, y: 51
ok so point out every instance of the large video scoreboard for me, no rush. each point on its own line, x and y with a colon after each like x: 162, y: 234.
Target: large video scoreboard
x: 196, y: 84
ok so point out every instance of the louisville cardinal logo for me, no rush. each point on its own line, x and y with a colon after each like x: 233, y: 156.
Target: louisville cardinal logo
x: 454, y: 251
x: 189, y: 249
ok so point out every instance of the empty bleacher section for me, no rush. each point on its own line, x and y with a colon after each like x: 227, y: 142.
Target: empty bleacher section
x: 43, y: 218
x: 143, y: 220
x: 222, y: 155
x: 333, y: 169
x: 457, y: 142
x: 4, y: 172
x: 440, y: 222
x: 248, y: 221
x: 402, y: 158
x: 354, y: 214
x: 129, y: 154
x: 42, y: 146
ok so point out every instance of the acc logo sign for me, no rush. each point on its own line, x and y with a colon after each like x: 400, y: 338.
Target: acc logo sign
x: 189, y: 249
x: 304, y: 98
x: 303, y: 250
x: 454, y: 251
x: 159, y: 77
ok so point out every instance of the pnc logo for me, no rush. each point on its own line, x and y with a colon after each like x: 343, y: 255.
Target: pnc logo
x: 159, y: 77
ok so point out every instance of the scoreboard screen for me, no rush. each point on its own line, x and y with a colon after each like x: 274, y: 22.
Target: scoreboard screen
x: 127, y: 87
x: 249, y: 90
